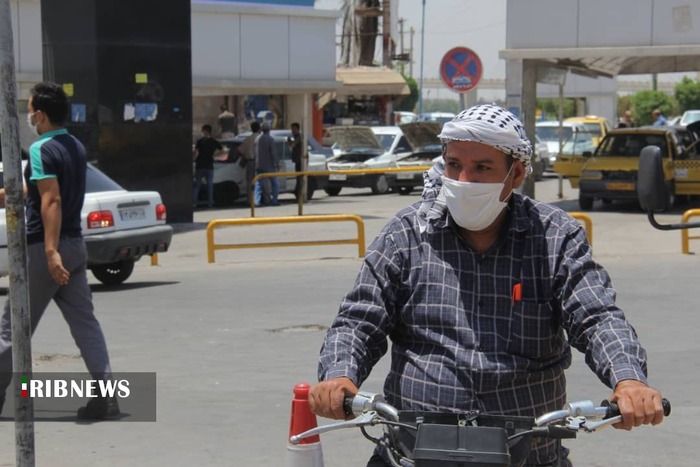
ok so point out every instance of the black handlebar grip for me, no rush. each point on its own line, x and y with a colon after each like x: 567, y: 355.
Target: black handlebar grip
x: 347, y: 405
x: 614, y: 410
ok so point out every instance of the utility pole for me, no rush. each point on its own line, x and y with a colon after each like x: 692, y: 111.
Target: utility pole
x: 386, y: 34
x: 403, y: 64
x: 16, y: 243
x: 412, y: 33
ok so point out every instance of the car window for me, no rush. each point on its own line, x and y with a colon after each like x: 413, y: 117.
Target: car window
x: 385, y: 141
x: 403, y: 145
x: 578, y: 143
x: 594, y: 129
x: 631, y: 145
x: 551, y: 133
x: 282, y: 150
x: 96, y: 181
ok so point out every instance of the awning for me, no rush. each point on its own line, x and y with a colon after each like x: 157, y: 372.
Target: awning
x: 613, y: 61
x: 366, y: 81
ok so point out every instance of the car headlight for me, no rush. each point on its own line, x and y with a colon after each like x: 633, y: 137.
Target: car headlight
x: 592, y: 174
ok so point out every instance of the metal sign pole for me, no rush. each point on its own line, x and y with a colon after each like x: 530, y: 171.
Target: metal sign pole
x: 16, y: 243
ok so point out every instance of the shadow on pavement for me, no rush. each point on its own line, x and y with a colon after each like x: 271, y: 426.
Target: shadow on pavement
x: 128, y: 286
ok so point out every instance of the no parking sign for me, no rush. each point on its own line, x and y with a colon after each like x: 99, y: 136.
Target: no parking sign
x: 460, y: 69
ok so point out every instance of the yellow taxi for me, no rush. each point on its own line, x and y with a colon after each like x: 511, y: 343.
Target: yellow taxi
x: 597, y: 126
x: 611, y: 172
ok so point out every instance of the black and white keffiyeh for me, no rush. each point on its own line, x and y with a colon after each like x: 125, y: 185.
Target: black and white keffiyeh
x: 491, y: 125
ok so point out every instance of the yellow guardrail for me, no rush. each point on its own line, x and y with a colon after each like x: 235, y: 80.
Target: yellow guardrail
x: 300, y: 201
x: 587, y: 223
x: 685, y: 234
x: 217, y: 223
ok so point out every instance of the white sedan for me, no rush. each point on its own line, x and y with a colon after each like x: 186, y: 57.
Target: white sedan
x: 119, y: 227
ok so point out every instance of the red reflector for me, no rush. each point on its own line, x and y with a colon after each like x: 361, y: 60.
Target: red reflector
x: 100, y: 220
x: 161, y: 215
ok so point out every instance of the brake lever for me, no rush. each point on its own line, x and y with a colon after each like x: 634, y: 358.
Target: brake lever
x: 590, y: 427
x: 366, y: 419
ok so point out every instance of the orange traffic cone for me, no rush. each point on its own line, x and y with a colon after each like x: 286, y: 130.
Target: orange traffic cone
x: 308, y: 452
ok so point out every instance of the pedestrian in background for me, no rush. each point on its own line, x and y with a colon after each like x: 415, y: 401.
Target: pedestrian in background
x: 626, y: 120
x: 228, y: 123
x: 56, y: 253
x: 247, y: 151
x: 205, y: 150
x: 267, y: 188
x: 659, y: 119
x: 295, y: 144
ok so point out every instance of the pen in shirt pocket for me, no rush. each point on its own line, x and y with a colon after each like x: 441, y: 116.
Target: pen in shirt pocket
x: 517, y: 293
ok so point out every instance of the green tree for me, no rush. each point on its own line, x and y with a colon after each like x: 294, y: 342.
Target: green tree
x: 550, y: 108
x: 687, y: 94
x: 408, y: 103
x: 644, y: 102
x: 441, y: 105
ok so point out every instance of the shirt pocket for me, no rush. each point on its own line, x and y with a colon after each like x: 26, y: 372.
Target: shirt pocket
x: 533, y: 330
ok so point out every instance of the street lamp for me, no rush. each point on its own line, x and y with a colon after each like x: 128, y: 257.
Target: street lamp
x: 422, y: 49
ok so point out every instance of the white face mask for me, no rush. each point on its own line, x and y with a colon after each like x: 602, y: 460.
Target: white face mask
x: 32, y: 126
x: 474, y: 206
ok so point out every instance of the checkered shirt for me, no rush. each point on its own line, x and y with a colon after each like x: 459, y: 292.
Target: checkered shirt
x: 460, y: 341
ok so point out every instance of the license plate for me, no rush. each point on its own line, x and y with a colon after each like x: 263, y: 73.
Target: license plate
x: 337, y: 177
x: 404, y: 175
x: 620, y: 186
x: 132, y: 214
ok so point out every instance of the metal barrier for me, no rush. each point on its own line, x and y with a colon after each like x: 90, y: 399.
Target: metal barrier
x: 587, y: 222
x: 359, y: 241
x: 319, y: 173
x: 685, y: 235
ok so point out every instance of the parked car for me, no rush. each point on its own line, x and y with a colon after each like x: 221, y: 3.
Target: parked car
x: 548, y: 133
x: 426, y: 150
x: 688, y: 117
x: 357, y: 147
x: 611, y: 172
x: 402, y: 117
x: 392, y: 140
x: 597, y: 126
x: 229, y: 176
x: 119, y: 227
x: 440, y: 117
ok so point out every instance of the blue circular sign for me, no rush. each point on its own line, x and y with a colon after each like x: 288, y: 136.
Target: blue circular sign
x: 461, y: 69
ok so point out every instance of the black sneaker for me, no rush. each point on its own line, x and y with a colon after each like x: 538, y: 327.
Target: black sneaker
x: 100, y: 408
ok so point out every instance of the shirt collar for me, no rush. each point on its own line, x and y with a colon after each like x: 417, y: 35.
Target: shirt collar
x: 52, y: 133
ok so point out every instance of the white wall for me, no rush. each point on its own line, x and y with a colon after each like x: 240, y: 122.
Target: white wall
x: 234, y: 47
x: 243, y: 48
x: 601, y: 23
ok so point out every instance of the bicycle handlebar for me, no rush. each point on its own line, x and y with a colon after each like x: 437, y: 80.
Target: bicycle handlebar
x: 371, y: 409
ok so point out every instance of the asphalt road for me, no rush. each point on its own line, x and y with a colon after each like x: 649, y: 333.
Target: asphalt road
x: 229, y: 340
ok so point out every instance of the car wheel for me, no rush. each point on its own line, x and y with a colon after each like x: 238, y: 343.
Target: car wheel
x: 405, y: 190
x: 381, y: 185
x: 332, y: 190
x: 607, y: 201
x: 585, y: 202
x: 226, y: 193
x: 113, y: 273
x: 310, y: 189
